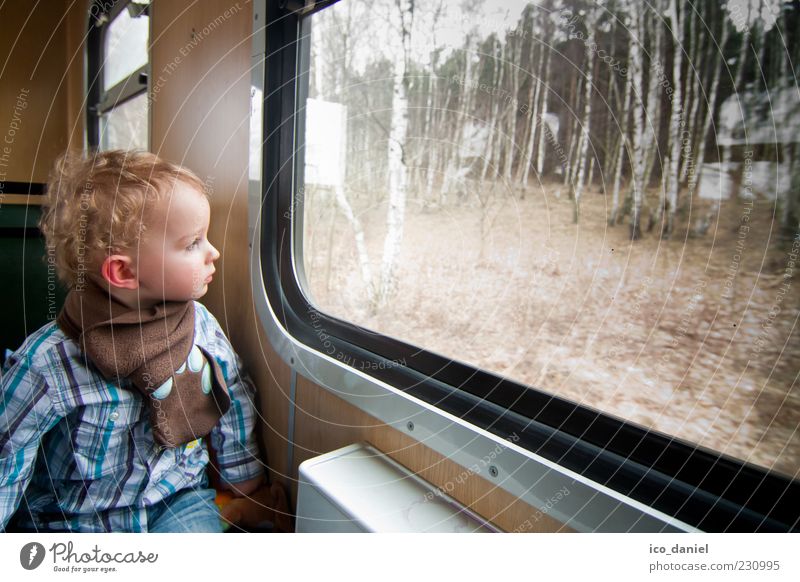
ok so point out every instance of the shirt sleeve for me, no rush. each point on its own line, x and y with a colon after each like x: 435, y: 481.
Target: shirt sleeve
x: 27, y: 412
x: 233, y: 439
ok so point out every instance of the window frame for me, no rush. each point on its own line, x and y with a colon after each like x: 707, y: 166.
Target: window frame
x: 100, y: 101
x: 686, y: 487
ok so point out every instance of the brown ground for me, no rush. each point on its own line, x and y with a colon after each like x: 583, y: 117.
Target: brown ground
x: 641, y: 330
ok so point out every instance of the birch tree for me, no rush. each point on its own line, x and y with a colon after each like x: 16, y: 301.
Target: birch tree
x: 614, y: 104
x: 656, y: 74
x: 498, y: 56
x: 398, y: 172
x: 502, y: 112
x: 533, y: 104
x: 573, y: 130
x: 694, y: 83
x: 467, y: 98
x: 742, y: 13
x: 624, y: 145
x: 695, y: 177
x: 789, y: 217
x: 635, y: 24
x: 592, y: 17
x: 672, y: 183
x: 541, y: 115
x: 433, y: 108
x: 515, y: 51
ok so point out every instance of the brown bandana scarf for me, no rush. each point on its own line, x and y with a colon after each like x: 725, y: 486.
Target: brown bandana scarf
x: 182, y: 384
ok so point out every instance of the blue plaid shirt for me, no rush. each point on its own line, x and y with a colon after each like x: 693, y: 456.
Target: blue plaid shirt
x: 77, y: 452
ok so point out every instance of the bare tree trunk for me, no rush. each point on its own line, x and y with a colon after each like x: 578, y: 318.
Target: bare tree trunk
x: 571, y: 135
x: 456, y: 160
x: 676, y: 26
x: 639, y: 154
x: 541, y: 116
x: 609, y: 149
x: 657, y: 73
x: 609, y: 141
x: 575, y: 144
x: 696, y: 175
x: 623, y: 146
x: 494, y: 122
x: 361, y: 247
x: 329, y: 263
x: 511, y: 140
x: 398, y: 172
x: 789, y: 212
x: 533, y: 108
x: 693, y: 95
x: 762, y: 49
x: 591, y: 20
x: 498, y: 141
x: 432, y: 108
x: 575, y: 157
x: 727, y: 151
x: 430, y: 122
x: 435, y: 152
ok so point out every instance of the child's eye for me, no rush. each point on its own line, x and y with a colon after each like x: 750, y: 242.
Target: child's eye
x: 194, y: 245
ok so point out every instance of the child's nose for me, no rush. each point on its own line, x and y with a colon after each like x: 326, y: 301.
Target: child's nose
x: 214, y: 254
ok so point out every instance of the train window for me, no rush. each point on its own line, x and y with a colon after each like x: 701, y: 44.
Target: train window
x: 118, y: 68
x: 583, y: 213
x: 463, y: 193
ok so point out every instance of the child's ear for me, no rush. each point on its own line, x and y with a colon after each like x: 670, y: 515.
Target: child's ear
x: 118, y: 271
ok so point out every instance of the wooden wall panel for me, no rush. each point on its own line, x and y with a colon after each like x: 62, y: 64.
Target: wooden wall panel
x: 40, y: 63
x: 77, y: 31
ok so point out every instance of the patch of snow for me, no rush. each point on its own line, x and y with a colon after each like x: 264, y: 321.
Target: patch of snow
x: 766, y: 179
x: 760, y: 117
x: 716, y: 182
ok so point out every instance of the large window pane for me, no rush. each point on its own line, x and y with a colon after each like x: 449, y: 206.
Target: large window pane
x: 601, y: 204
x: 125, y: 47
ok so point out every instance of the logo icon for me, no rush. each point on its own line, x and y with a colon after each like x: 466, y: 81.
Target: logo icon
x: 31, y: 555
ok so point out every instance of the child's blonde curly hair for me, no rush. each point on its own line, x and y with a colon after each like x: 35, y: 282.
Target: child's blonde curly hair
x: 98, y: 202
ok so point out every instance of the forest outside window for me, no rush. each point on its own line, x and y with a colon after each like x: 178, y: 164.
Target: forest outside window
x: 595, y: 199
x: 119, y: 63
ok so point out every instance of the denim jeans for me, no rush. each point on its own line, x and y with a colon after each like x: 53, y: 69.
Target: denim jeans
x: 189, y: 510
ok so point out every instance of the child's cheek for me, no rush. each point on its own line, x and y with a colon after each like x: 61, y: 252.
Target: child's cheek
x: 198, y: 283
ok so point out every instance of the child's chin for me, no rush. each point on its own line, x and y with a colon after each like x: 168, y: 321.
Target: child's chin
x: 197, y: 294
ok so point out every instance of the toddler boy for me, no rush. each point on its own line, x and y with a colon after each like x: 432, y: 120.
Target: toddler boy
x: 106, y: 414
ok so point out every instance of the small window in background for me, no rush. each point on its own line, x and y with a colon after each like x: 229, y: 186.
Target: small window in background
x: 601, y: 204
x: 119, y: 108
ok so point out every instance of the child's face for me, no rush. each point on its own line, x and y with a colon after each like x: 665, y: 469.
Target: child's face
x: 175, y: 260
